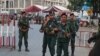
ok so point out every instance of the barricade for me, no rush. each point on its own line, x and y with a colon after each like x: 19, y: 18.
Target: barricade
x: 82, y: 38
x: 7, y: 31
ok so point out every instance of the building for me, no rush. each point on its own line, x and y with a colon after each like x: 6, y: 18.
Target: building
x: 17, y: 5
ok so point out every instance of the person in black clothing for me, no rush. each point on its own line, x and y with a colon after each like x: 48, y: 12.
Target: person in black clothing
x: 23, y: 25
x: 74, y: 26
x: 95, y: 38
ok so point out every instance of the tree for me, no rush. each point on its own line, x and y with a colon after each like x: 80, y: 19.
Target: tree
x: 75, y: 5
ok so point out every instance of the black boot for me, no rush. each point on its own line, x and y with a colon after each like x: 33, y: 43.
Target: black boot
x: 43, y: 54
x: 19, y: 50
x: 52, y: 55
x: 72, y: 54
x: 27, y: 50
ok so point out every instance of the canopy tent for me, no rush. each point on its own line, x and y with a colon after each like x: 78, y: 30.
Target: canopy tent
x: 35, y: 8
x: 56, y: 8
x: 62, y: 8
x: 52, y: 8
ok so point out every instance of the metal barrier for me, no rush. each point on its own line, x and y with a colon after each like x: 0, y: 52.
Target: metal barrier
x: 7, y: 31
x: 82, y: 37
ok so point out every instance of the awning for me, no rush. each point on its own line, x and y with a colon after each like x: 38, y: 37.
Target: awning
x: 52, y: 8
x: 34, y: 8
x: 56, y: 8
x: 61, y: 8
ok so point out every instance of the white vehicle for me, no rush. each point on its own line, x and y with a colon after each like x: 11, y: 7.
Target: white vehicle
x: 84, y: 19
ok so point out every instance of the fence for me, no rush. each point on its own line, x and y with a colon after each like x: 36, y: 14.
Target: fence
x: 82, y: 37
x: 7, y: 31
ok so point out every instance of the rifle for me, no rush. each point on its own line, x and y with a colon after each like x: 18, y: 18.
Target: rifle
x: 50, y: 28
x: 63, y: 32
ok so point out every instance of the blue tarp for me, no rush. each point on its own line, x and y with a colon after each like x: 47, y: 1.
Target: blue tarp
x: 85, y: 7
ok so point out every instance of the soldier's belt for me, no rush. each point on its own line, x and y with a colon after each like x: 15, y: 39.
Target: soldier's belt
x: 24, y: 30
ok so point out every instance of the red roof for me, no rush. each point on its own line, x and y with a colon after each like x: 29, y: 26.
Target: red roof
x: 56, y: 8
x: 34, y: 8
x: 52, y: 8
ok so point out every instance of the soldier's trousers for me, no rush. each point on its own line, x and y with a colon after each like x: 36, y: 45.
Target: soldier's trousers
x: 51, y: 42
x: 44, y: 45
x: 72, y: 39
x: 21, y: 36
x: 62, y: 44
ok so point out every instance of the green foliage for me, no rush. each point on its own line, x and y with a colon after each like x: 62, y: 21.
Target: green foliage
x: 75, y: 5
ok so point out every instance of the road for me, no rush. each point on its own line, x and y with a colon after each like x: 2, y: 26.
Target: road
x: 35, y: 45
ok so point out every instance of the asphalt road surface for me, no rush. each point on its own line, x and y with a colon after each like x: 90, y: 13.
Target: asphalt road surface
x: 35, y: 44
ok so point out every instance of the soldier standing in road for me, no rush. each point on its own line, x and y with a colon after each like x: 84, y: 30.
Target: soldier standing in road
x: 23, y: 25
x: 63, y: 36
x: 74, y: 26
x: 48, y: 27
x: 45, y: 37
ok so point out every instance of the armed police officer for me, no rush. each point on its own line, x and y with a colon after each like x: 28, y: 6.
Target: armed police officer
x: 63, y: 36
x: 74, y: 26
x: 23, y: 25
x: 50, y: 33
x: 45, y: 37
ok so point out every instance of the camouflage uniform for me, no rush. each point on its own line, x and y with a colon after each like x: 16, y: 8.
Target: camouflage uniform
x: 23, y: 24
x: 63, y: 40
x: 49, y: 38
x: 74, y: 26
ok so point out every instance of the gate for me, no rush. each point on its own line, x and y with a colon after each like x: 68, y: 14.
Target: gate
x: 82, y: 38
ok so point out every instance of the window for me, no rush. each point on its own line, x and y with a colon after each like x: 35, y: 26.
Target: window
x: 9, y: 4
x: 15, y: 3
x: 2, y: 4
x: 28, y: 3
x: 12, y: 11
x: 21, y: 3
